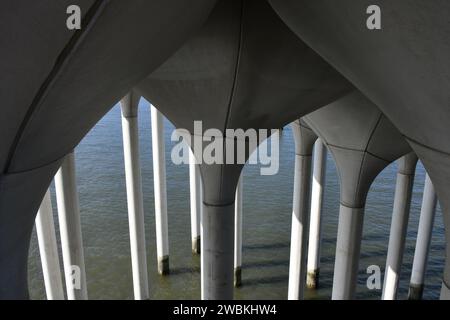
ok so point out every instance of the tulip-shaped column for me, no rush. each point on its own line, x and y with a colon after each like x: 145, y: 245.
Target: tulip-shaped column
x: 356, y: 133
x: 130, y: 130
x: 304, y: 139
x: 70, y: 229
x: 160, y: 189
x: 399, y: 224
x: 423, y: 241
x: 315, y: 226
x: 238, y: 234
x: 48, y: 250
x: 217, y: 224
x: 196, y: 202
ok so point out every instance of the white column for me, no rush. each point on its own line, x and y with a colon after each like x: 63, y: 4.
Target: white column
x: 159, y: 178
x: 300, y: 224
x: 348, y: 246
x: 196, y: 202
x: 217, y: 239
x: 238, y: 234
x: 48, y: 250
x: 423, y: 241
x: 399, y: 225
x: 315, y: 226
x: 70, y: 229
x: 130, y: 132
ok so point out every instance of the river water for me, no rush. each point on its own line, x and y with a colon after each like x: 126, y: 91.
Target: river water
x: 266, y: 224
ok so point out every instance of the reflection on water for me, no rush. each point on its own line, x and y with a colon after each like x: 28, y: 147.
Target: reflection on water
x: 266, y: 229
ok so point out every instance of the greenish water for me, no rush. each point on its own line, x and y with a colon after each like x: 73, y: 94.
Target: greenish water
x: 266, y: 224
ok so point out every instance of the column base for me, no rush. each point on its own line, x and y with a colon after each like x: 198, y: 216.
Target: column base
x: 415, y: 291
x: 445, y: 292
x: 237, y: 277
x: 163, y: 265
x: 196, y: 245
x: 312, y: 279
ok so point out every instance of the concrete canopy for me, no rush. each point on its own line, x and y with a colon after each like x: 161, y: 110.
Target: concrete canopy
x: 404, y: 68
x: 243, y: 69
x: 56, y: 84
x: 362, y: 141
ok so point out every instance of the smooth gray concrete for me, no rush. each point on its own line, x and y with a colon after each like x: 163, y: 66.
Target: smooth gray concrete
x: 426, y: 221
x: 48, y: 250
x: 160, y: 191
x: 15, y: 228
x: 399, y: 224
x: 403, y: 68
x: 195, y: 185
x: 58, y: 83
x: 238, y: 233
x: 349, y: 235
x: 355, y: 132
x: 304, y: 139
x: 243, y: 69
x: 315, y: 224
x: 70, y: 229
x: 217, y: 251
x: 135, y: 201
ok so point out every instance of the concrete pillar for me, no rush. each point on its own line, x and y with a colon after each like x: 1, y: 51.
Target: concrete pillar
x: 217, y: 256
x: 348, y: 247
x: 315, y: 226
x: 159, y: 180
x: 304, y: 142
x: 48, y: 250
x: 196, y: 202
x: 423, y: 241
x: 70, y: 229
x: 220, y: 183
x: 238, y: 234
x: 399, y: 224
x: 130, y: 132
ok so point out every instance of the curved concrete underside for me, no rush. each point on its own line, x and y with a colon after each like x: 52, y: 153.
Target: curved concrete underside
x: 243, y: 69
x: 59, y: 84
x: 404, y: 68
x: 362, y: 141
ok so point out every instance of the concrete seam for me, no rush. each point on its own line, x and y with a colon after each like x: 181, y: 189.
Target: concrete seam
x: 365, y: 151
x: 445, y: 283
x: 35, y: 168
x: 67, y: 52
x: 236, y: 69
x: 218, y: 205
x: 426, y: 147
x: 349, y: 206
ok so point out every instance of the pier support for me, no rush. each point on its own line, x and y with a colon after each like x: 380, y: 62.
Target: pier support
x: 238, y: 234
x: 48, y: 250
x: 70, y: 229
x: 348, y: 247
x: 196, y: 202
x: 217, y: 251
x: 159, y: 180
x: 217, y: 230
x: 399, y: 224
x: 355, y: 133
x: 304, y: 142
x: 130, y: 132
x: 315, y: 226
x: 423, y: 241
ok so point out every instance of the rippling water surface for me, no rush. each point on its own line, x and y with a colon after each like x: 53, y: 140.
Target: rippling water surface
x: 266, y: 224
